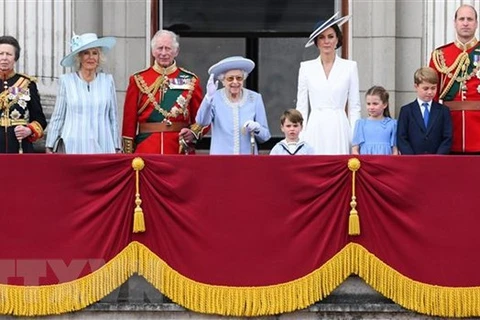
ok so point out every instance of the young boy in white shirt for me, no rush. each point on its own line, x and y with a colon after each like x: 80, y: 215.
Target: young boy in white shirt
x: 291, y: 124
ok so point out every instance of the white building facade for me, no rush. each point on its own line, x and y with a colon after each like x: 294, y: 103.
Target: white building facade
x: 389, y: 40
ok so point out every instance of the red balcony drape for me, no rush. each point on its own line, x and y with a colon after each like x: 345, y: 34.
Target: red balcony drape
x: 239, y: 235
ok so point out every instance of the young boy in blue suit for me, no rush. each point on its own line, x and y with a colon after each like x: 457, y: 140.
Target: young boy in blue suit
x: 424, y: 126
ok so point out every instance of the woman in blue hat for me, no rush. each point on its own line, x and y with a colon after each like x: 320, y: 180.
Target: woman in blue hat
x: 85, y: 117
x: 236, y: 114
x: 329, y: 85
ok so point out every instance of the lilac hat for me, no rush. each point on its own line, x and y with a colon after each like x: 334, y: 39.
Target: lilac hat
x: 324, y: 25
x: 84, y: 42
x: 232, y: 63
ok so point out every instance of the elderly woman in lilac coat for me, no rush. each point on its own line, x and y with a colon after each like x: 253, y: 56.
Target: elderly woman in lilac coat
x: 236, y: 114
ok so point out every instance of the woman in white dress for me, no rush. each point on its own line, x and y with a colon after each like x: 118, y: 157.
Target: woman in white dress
x: 85, y: 115
x: 325, y: 84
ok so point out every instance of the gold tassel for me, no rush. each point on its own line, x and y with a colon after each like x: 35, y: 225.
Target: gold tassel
x: 138, y: 221
x: 138, y: 218
x: 354, y: 219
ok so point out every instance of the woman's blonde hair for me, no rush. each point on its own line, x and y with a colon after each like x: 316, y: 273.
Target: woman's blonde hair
x: 101, y: 61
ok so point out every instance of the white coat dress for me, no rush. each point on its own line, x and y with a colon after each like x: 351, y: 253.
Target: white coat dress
x: 322, y: 103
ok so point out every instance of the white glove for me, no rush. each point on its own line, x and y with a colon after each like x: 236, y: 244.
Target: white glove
x: 212, y: 87
x: 251, y: 125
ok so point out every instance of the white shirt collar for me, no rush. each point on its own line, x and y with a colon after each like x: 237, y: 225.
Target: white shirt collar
x: 420, y: 103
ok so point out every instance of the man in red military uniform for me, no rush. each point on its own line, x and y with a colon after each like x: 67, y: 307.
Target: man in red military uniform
x: 458, y: 67
x: 161, y: 104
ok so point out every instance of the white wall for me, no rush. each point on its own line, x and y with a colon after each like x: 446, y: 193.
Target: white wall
x: 389, y: 39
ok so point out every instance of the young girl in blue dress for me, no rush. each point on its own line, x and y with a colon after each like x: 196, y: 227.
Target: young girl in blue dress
x: 377, y: 133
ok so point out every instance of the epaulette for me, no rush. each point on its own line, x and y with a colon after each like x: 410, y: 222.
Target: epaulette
x: 140, y: 71
x: 445, y: 45
x: 26, y: 76
x: 189, y: 72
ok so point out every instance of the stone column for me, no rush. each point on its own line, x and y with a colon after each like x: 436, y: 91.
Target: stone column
x: 129, y: 21
x: 409, y: 40
x: 41, y: 27
x: 374, y: 45
x: 439, y: 23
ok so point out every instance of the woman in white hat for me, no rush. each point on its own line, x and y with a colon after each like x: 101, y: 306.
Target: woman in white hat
x: 237, y: 115
x: 326, y: 84
x: 85, y: 117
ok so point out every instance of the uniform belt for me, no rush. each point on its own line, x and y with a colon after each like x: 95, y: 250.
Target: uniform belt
x: 462, y: 105
x: 163, y: 126
x: 10, y: 122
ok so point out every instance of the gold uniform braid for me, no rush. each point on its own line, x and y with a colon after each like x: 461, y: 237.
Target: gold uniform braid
x: 458, y: 65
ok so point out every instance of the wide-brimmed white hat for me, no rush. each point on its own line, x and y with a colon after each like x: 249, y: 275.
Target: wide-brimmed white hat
x: 86, y: 41
x: 324, y: 25
x: 231, y: 63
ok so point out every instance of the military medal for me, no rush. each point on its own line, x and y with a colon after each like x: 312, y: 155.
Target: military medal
x: 476, y: 60
x: 180, y: 83
x: 13, y: 92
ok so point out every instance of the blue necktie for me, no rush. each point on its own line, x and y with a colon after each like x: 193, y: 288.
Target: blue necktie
x: 426, y: 114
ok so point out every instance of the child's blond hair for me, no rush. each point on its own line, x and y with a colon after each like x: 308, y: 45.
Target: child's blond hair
x: 425, y: 74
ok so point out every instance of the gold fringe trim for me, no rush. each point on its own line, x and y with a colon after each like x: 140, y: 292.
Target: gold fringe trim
x: 241, y: 301
x: 420, y: 297
x: 244, y: 301
x: 298, y: 294
x: 69, y: 296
